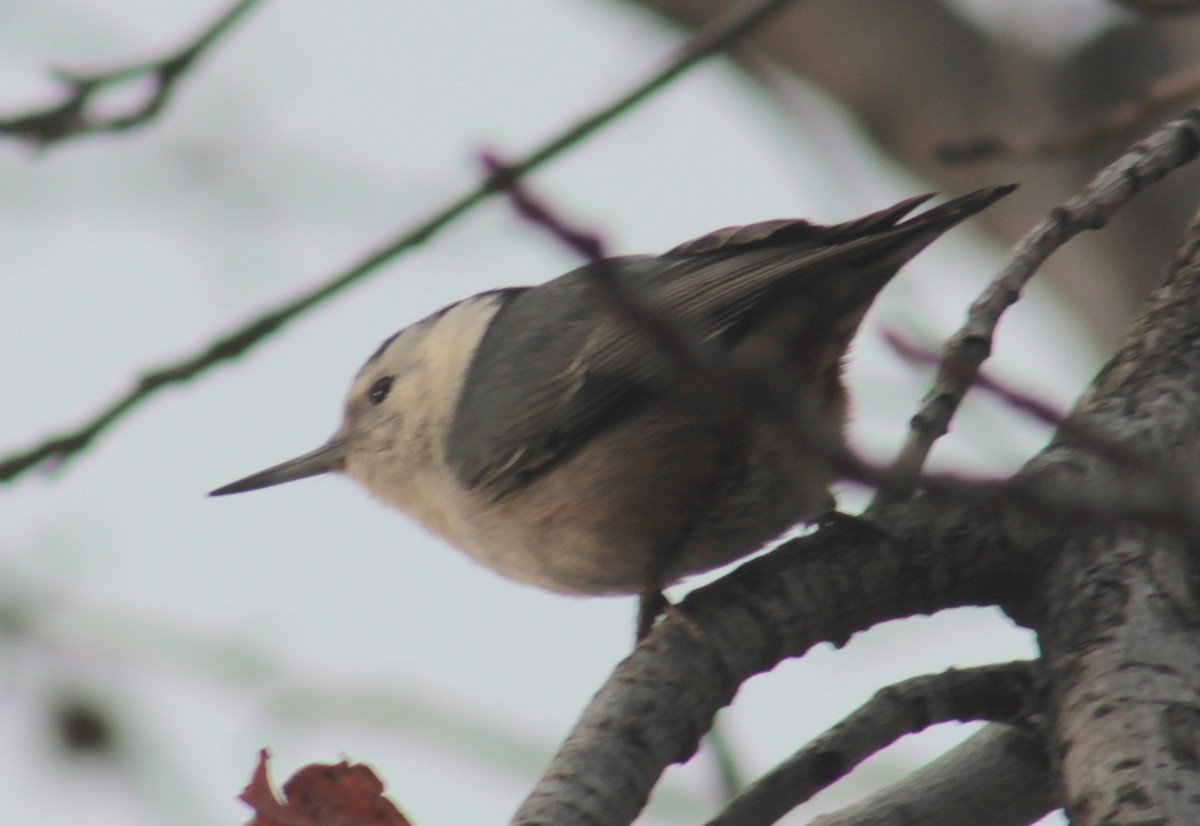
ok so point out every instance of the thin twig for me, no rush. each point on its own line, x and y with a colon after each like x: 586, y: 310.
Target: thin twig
x: 998, y: 693
x: 70, y: 118
x: 1110, y: 125
x: 1170, y: 147
x: 717, y: 36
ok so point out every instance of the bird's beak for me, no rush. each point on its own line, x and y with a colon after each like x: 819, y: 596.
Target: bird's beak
x: 329, y: 457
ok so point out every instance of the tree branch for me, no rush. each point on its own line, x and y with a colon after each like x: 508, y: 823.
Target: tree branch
x: 721, y: 34
x: 1161, y: 7
x: 1119, y: 636
x: 44, y: 128
x: 1002, y: 776
x: 1170, y: 147
x: 1000, y: 693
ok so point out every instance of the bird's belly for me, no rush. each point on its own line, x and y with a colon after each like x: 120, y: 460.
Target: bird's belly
x: 629, y: 511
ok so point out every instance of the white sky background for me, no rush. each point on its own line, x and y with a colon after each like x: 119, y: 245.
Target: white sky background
x: 308, y: 618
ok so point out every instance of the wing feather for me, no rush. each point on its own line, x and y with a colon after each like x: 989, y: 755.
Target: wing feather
x: 556, y: 365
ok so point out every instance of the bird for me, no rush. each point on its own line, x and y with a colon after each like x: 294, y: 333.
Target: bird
x: 551, y: 437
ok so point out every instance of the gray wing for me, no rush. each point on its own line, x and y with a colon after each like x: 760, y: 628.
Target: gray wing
x: 556, y: 364
x: 531, y: 392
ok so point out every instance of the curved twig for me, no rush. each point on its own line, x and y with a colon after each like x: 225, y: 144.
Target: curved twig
x: 69, y: 119
x: 1170, y: 147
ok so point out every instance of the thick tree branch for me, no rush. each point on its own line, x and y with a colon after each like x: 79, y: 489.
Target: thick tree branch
x: 1126, y: 666
x: 999, y: 693
x: 70, y: 118
x: 1170, y: 147
x: 1123, y: 604
x: 720, y: 35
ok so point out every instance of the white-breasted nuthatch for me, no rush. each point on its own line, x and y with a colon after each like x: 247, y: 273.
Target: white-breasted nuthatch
x: 540, y: 432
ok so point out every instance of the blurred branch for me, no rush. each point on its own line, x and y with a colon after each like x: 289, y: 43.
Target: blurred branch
x: 719, y: 35
x: 1032, y: 406
x: 999, y: 693
x: 1160, y: 6
x: 1170, y: 147
x: 1108, y: 126
x: 725, y: 760
x: 54, y: 124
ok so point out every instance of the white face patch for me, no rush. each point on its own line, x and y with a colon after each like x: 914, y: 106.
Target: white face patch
x: 399, y: 411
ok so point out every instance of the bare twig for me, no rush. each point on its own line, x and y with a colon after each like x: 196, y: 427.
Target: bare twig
x: 1111, y: 124
x: 683, y: 350
x: 999, y: 693
x: 588, y: 245
x: 70, y: 118
x: 719, y: 35
x: 725, y: 760
x: 1170, y: 147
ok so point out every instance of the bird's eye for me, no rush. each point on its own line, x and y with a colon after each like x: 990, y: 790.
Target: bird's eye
x: 379, y: 390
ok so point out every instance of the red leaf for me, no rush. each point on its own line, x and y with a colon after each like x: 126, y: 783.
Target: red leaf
x: 321, y: 795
